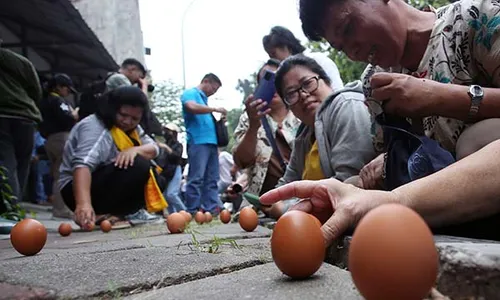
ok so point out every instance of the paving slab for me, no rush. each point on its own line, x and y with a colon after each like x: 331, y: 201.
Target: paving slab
x: 469, y: 268
x: 137, y: 237
x: 75, y: 274
x: 262, y: 282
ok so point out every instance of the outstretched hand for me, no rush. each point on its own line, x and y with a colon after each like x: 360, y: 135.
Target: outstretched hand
x: 337, y: 205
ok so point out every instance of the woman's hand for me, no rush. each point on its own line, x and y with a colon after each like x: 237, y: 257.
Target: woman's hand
x: 337, y: 205
x: 371, y: 173
x: 254, y: 110
x: 85, y: 216
x: 126, y: 158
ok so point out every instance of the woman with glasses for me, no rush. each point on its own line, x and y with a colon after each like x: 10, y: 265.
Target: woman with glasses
x: 334, y: 140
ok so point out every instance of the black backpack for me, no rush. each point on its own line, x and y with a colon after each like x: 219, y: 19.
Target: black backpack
x: 89, y: 96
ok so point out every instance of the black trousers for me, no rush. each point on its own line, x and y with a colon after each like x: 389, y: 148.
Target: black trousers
x: 113, y: 190
x: 16, y: 145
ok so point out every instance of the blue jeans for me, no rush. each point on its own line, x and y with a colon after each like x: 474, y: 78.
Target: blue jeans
x: 42, y: 169
x: 175, y: 203
x: 203, y: 175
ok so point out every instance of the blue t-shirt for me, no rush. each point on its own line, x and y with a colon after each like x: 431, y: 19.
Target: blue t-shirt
x: 200, y: 127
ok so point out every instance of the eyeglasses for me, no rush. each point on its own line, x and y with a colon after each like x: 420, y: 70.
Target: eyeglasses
x: 308, y: 86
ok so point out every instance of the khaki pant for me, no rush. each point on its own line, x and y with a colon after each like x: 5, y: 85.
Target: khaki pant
x: 54, y: 146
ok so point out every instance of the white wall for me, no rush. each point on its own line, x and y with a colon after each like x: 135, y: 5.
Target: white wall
x: 117, y: 24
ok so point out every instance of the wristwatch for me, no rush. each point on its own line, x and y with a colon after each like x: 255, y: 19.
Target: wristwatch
x: 476, y: 95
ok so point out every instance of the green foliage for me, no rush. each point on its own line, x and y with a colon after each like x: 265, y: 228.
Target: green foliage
x: 13, y: 211
x: 166, y: 103
x: 247, y: 86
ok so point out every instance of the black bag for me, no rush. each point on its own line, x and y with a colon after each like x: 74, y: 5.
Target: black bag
x: 410, y: 154
x: 89, y: 96
x: 221, y: 131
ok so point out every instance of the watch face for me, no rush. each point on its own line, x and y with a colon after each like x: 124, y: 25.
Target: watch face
x: 476, y: 91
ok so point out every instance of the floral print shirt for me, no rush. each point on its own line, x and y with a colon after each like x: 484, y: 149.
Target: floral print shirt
x: 263, y: 151
x: 464, y: 49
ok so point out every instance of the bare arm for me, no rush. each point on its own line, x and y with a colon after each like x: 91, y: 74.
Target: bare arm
x: 244, y: 154
x: 81, y: 186
x: 468, y: 190
x: 147, y: 151
x: 197, y: 109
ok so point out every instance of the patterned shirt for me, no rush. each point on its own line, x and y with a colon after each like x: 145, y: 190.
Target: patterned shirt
x: 257, y: 173
x: 464, y: 49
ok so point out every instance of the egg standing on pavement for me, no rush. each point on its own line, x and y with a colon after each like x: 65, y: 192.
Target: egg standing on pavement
x: 28, y: 237
x: 176, y: 223
x: 248, y: 219
x: 297, y: 244
x: 392, y: 254
x: 106, y: 226
x: 199, y: 217
x: 225, y: 216
x: 65, y: 229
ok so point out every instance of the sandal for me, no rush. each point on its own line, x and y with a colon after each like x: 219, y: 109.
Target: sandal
x: 116, y: 222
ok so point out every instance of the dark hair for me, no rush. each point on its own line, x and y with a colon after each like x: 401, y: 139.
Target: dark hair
x: 134, y: 62
x: 212, y: 78
x: 110, y: 102
x: 282, y: 37
x: 298, y: 60
x: 312, y: 14
x: 270, y: 62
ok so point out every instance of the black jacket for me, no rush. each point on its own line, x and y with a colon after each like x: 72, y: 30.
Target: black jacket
x: 171, y: 160
x: 56, y: 114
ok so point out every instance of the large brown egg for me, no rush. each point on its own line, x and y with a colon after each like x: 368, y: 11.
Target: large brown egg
x: 297, y: 244
x: 225, y: 216
x: 28, y: 237
x: 176, y: 223
x: 199, y: 217
x: 248, y: 219
x: 392, y: 255
x: 65, y: 229
x: 186, y: 215
x: 208, y: 217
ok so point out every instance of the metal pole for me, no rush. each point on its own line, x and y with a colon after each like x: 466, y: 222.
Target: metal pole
x: 182, y: 44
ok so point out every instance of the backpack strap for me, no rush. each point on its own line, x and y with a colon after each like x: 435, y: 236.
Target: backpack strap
x: 272, y: 140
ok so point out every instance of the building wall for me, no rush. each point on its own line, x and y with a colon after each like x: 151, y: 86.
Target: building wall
x: 117, y: 24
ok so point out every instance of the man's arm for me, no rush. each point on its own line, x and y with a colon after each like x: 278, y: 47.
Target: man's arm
x: 197, y: 109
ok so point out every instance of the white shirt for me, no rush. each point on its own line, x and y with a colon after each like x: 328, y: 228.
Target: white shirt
x: 226, y: 162
x: 330, y: 68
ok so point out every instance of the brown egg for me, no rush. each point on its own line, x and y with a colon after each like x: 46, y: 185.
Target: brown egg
x: 28, y: 237
x: 297, y: 244
x: 106, y: 226
x: 176, y: 223
x: 208, y: 217
x: 199, y: 217
x: 248, y: 219
x: 225, y: 216
x: 65, y: 229
x: 392, y: 254
x: 186, y: 215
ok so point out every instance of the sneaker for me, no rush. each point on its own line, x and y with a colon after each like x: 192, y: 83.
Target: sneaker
x: 143, y: 217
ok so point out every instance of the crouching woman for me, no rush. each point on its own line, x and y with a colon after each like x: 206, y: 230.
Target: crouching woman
x: 106, y: 170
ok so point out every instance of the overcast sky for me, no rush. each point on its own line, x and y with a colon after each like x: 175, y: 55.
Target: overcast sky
x: 221, y: 36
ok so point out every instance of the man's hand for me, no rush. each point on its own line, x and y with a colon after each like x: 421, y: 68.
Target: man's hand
x: 126, y: 158
x: 221, y: 110
x: 404, y: 95
x: 85, y: 217
x: 144, y: 83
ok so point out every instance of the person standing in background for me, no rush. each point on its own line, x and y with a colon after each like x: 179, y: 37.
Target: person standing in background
x: 203, y: 157
x: 172, y: 170
x: 20, y: 91
x: 58, y: 119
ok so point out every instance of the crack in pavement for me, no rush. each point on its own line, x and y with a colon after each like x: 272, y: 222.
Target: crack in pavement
x: 171, y: 281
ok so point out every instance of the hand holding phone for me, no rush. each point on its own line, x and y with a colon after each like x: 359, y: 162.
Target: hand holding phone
x: 266, y: 89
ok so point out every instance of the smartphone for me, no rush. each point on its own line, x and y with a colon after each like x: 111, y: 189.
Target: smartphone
x: 266, y: 89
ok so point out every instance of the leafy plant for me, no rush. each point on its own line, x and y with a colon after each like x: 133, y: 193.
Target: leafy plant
x: 13, y: 211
